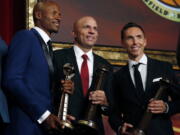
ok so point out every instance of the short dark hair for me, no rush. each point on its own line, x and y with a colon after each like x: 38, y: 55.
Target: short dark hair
x: 130, y: 25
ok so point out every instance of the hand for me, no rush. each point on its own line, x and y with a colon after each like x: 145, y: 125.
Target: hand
x: 98, y: 97
x: 157, y: 106
x: 67, y: 86
x: 124, y: 129
x: 52, y: 122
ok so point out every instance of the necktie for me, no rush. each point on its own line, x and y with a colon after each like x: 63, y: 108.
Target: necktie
x: 85, y: 74
x: 138, y: 80
x: 50, y: 58
x: 49, y: 43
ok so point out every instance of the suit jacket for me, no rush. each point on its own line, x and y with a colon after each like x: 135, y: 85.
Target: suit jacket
x: 27, y: 83
x: 3, y: 103
x: 129, y: 103
x: 77, y: 102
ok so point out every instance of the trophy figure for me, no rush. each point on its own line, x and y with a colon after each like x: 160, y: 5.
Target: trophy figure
x: 69, y: 72
x: 87, y: 125
x: 143, y: 125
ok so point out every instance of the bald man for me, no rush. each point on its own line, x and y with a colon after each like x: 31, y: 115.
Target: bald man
x: 29, y: 74
x: 85, y: 33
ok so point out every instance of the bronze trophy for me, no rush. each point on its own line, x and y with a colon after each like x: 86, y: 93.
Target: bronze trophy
x: 143, y: 125
x: 69, y: 72
x: 87, y: 124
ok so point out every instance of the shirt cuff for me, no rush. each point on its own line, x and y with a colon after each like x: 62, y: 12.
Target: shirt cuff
x: 44, y: 116
x: 119, y: 130
x: 104, y: 108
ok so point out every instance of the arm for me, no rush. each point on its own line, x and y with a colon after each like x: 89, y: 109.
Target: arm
x: 165, y: 105
x: 15, y: 76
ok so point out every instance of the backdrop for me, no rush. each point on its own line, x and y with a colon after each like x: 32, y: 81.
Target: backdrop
x: 113, y: 14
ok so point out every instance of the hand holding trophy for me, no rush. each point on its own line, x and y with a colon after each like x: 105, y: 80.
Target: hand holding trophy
x: 87, y: 125
x: 144, y: 123
x: 69, y: 73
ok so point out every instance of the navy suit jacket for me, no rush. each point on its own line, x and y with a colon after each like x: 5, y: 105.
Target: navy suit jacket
x: 27, y: 83
x: 77, y: 102
x: 128, y: 102
x: 3, y: 103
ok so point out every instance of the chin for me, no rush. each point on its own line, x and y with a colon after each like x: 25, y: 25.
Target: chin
x: 54, y: 31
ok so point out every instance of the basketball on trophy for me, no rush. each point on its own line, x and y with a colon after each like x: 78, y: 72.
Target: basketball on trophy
x: 174, y: 3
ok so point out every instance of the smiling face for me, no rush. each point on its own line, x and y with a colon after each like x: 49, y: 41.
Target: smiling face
x: 85, y: 33
x: 134, y: 41
x: 48, y: 17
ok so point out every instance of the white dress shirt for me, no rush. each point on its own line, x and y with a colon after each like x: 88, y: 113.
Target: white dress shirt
x: 45, y: 38
x: 142, y: 69
x: 78, y: 53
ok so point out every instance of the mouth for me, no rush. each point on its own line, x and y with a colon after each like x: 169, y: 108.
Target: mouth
x: 91, y: 38
x: 135, y: 47
x: 56, y: 23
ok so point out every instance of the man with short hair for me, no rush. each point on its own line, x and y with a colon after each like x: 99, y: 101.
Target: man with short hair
x: 85, y: 62
x: 28, y: 75
x: 135, y: 85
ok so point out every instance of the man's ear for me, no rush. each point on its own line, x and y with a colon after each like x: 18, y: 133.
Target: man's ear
x: 38, y: 15
x: 145, y: 42
x: 74, y: 34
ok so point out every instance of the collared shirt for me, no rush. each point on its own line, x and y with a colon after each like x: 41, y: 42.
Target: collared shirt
x: 45, y: 38
x: 43, y: 34
x: 142, y: 69
x: 78, y: 53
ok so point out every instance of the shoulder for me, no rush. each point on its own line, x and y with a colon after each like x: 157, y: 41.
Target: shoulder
x: 159, y: 63
x: 101, y: 59
x: 123, y: 71
x: 63, y: 52
x: 24, y: 36
x: 23, y: 40
x: 24, y: 33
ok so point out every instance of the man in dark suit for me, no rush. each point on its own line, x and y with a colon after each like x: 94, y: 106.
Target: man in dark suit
x: 85, y: 32
x: 29, y: 72
x: 131, y: 99
x: 4, y: 115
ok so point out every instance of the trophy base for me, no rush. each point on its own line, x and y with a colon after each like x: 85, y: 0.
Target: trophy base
x: 67, y: 125
x: 67, y: 129
x: 88, y: 123
x: 135, y: 131
x: 86, y: 127
x: 138, y: 132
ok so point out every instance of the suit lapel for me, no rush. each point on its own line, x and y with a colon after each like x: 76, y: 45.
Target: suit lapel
x: 94, y: 71
x: 71, y: 58
x: 46, y: 53
x: 150, y: 69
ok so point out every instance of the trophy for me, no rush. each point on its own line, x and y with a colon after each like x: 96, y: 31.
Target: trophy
x: 87, y: 125
x: 69, y: 72
x: 143, y: 125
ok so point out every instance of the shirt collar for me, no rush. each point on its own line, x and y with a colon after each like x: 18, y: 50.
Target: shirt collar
x: 79, y: 52
x: 143, y: 61
x: 43, y: 34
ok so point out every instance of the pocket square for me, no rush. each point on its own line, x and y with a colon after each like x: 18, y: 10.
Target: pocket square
x: 157, y: 79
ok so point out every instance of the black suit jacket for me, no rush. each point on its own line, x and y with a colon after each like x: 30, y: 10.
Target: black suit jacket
x: 77, y: 102
x: 129, y: 103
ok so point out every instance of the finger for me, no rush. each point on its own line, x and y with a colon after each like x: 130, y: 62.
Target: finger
x: 96, y: 102
x: 157, y: 110
x: 70, y: 117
